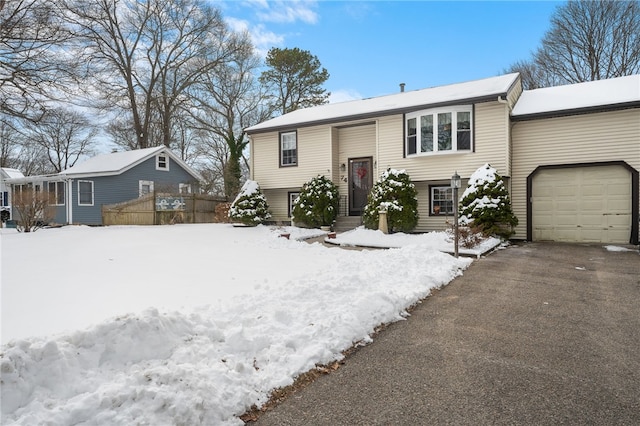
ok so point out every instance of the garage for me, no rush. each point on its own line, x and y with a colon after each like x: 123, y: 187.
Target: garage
x: 582, y: 204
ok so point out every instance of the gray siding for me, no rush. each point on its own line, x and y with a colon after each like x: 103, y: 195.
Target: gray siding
x: 124, y: 187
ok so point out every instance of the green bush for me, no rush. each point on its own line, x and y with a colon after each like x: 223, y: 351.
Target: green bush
x: 486, y: 204
x: 317, y: 204
x: 396, y: 194
x: 250, y: 206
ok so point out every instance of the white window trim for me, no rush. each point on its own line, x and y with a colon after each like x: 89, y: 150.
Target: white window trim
x: 431, y: 199
x: 292, y: 197
x: 141, y: 183
x: 92, y: 193
x: 454, y: 110
x: 280, y: 147
x: 166, y: 158
x: 183, y: 186
x: 55, y: 193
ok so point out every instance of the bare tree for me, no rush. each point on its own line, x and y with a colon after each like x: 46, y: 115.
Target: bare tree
x: 588, y: 40
x: 228, y: 101
x: 144, y: 56
x: 32, y: 60
x: 34, y: 208
x: 64, y: 135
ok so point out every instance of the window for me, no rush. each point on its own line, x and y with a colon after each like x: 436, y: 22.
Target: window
x: 5, y: 199
x: 440, y: 131
x: 145, y: 187
x: 162, y: 162
x: 288, y: 149
x: 292, y: 198
x: 184, y: 188
x: 441, y: 200
x: 56, y: 189
x: 85, y: 193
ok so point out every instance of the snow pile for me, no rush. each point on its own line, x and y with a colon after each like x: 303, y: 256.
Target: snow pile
x: 441, y: 241
x: 207, y: 319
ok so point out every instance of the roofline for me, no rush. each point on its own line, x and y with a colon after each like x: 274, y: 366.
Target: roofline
x: 65, y: 176
x: 576, y: 111
x: 370, y: 115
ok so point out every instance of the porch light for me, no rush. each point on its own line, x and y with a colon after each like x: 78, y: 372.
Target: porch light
x: 456, y: 183
x: 343, y: 167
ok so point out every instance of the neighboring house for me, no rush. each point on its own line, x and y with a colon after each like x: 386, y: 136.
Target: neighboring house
x: 81, y: 191
x: 5, y: 193
x: 432, y: 133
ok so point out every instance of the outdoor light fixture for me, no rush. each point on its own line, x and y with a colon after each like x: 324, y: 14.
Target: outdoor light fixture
x: 456, y: 183
x: 343, y: 167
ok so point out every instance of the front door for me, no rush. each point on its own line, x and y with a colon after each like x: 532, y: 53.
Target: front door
x: 360, y: 183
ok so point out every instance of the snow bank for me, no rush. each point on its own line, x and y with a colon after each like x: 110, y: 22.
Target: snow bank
x: 250, y: 325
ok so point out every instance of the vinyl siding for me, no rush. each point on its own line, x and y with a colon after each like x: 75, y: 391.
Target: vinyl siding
x: 124, y: 187
x: 278, y: 201
x: 314, y: 158
x: 589, y: 138
x: 491, y: 141
x: 426, y: 222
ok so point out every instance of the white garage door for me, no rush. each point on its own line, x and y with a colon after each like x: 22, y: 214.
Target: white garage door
x: 585, y: 204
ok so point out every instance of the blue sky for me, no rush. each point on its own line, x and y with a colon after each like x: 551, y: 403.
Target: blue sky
x: 369, y: 47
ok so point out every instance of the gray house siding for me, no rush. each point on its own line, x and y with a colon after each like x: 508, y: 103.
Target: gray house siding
x: 125, y: 187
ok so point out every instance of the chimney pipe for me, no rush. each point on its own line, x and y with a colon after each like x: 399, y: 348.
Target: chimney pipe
x: 401, y: 87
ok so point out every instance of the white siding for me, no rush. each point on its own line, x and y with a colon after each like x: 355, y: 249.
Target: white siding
x: 589, y: 138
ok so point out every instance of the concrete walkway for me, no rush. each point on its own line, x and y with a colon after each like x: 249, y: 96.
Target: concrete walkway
x: 537, y: 334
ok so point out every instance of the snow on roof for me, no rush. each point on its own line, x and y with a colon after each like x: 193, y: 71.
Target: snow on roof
x: 112, y: 163
x: 11, y: 173
x: 590, y: 94
x: 398, y: 102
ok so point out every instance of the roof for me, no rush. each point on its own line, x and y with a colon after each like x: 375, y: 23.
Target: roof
x: 599, y: 94
x: 9, y: 173
x: 485, y: 89
x: 114, y: 163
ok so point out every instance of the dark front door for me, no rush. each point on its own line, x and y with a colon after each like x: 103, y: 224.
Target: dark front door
x: 360, y: 183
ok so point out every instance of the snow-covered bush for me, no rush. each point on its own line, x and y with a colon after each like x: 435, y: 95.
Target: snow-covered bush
x: 396, y: 194
x: 250, y: 206
x: 485, y: 204
x: 317, y: 203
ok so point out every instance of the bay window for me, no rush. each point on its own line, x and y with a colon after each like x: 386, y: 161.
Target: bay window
x: 441, y: 130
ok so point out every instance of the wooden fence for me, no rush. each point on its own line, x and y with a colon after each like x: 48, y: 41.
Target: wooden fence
x: 162, y: 208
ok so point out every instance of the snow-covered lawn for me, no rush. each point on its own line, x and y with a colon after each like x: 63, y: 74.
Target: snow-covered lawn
x: 188, y: 324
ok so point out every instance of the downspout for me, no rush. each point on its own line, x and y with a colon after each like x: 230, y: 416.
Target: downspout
x: 508, y: 127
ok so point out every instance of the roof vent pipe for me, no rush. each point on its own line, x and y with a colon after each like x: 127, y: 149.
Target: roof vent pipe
x: 401, y: 87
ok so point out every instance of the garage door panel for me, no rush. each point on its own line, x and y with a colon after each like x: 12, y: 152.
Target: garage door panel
x: 585, y: 204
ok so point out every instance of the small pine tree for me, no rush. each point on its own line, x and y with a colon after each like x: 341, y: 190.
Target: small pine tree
x: 396, y: 194
x: 250, y: 206
x: 317, y: 204
x: 486, y: 204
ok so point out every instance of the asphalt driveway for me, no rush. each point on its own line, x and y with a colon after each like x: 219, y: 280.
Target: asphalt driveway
x: 539, y: 333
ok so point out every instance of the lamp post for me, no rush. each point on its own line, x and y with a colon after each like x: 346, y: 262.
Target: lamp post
x: 456, y: 183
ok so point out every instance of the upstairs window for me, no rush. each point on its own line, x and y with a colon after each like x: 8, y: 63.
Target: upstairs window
x: 439, y: 131
x: 288, y: 149
x: 56, y: 191
x: 162, y: 162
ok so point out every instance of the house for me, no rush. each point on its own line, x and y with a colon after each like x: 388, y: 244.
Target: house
x: 80, y: 192
x: 5, y: 193
x: 587, y: 130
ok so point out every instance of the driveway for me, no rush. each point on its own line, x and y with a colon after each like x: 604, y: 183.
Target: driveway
x: 539, y: 333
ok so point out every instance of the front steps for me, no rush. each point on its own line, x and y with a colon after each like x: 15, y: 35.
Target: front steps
x: 347, y: 223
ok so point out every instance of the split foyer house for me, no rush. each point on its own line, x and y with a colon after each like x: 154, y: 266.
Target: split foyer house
x: 570, y: 155
x: 79, y: 192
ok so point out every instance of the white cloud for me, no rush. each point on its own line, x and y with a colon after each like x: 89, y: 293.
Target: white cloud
x: 343, y: 95
x: 262, y: 39
x: 288, y: 11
